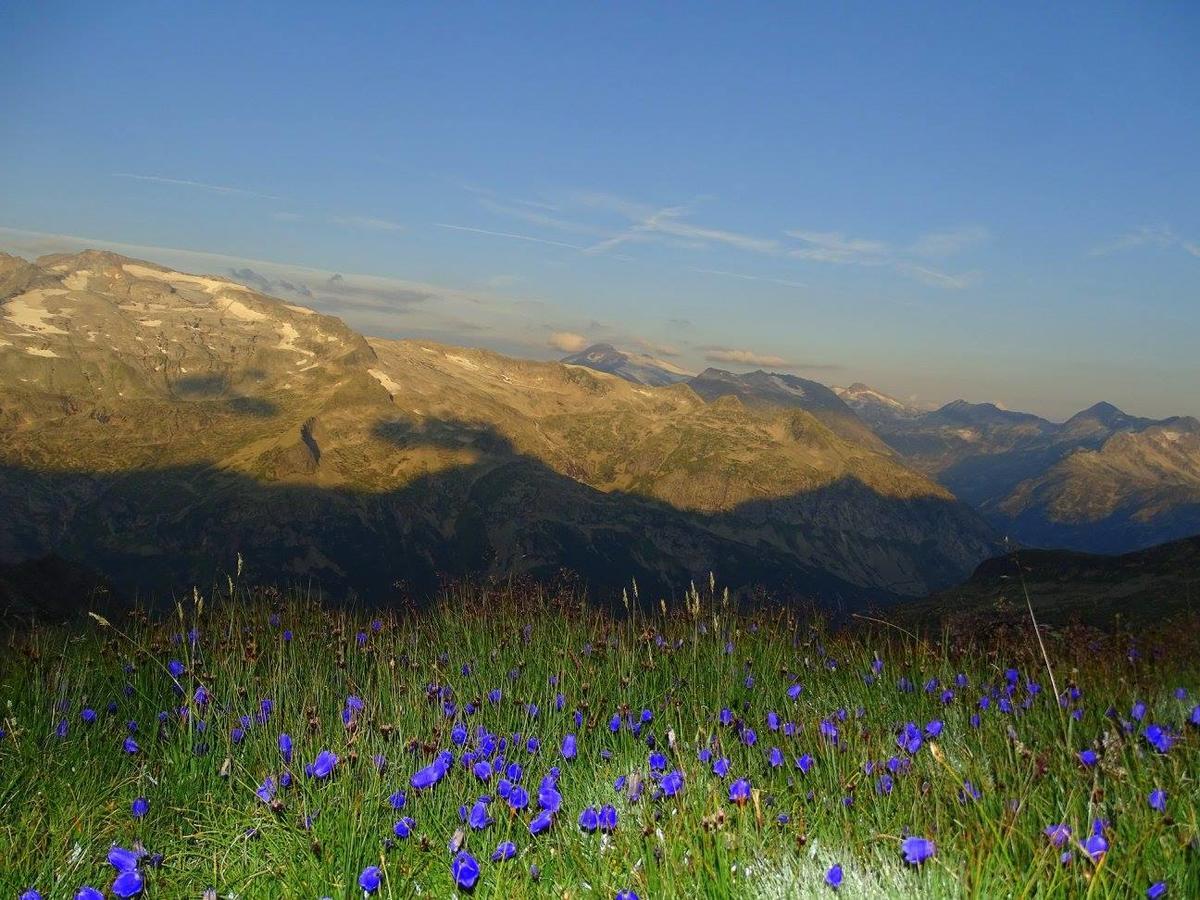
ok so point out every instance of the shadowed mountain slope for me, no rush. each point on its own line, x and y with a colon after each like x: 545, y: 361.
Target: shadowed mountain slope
x: 1066, y: 586
x: 154, y: 423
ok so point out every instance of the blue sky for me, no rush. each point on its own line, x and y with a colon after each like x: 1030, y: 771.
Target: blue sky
x: 999, y: 203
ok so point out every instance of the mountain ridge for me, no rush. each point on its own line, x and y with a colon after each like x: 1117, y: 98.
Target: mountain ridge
x: 1099, y: 481
x: 640, y: 368
x: 153, y: 421
x: 781, y: 389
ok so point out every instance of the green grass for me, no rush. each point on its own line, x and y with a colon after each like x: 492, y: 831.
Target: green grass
x: 64, y: 801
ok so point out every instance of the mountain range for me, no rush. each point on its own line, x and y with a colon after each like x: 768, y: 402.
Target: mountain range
x: 1103, y: 481
x: 156, y: 424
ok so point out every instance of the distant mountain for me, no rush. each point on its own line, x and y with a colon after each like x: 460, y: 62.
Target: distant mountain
x: 155, y: 424
x: 1066, y: 586
x: 1102, y: 481
x: 960, y: 413
x: 1139, y: 488
x: 1102, y: 419
x: 639, y: 368
x: 776, y: 389
x: 875, y: 407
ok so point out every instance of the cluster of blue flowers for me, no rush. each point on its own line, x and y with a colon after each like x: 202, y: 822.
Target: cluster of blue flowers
x: 516, y: 776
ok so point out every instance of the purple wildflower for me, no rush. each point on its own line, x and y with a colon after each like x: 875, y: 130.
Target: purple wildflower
x: 672, y: 783
x: 369, y: 879
x: 1158, y: 737
x: 541, y: 822
x: 833, y: 877
x: 465, y: 870
x: 323, y: 765
x: 917, y: 850
x: 1096, y: 845
x: 128, y: 883
x: 404, y: 827
x: 739, y: 791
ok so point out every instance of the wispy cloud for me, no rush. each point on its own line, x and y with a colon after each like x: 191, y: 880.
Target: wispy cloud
x: 643, y: 223
x: 538, y: 204
x: 670, y: 222
x: 934, y: 278
x: 366, y: 222
x: 199, y: 185
x: 630, y: 210
x: 567, y: 341
x: 369, y: 223
x: 510, y: 235
x: 336, y: 292
x: 746, y: 358
x: 738, y: 357
x: 672, y: 226
x: 744, y: 277
x: 656, y: 347
x: 490, y: 194
x: 940, y: 244
x: 539, y: 215
x: 1162, y: 236
x: 835, y: 247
